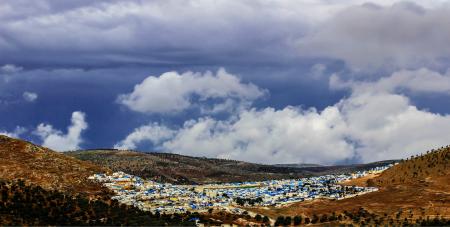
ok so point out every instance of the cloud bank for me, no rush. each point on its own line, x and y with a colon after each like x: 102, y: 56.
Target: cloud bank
x: 369, y: 125
x: 98, y: 33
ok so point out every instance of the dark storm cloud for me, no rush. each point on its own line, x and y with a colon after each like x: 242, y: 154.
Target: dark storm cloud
x: 147, y: 32
x: 87, y: 34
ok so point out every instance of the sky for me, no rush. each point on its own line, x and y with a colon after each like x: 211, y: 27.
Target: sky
x: 274, y: 81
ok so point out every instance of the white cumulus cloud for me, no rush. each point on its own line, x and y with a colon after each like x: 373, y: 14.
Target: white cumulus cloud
x: 268, y: 135
x: 57, y: 140
x: 173, y: 92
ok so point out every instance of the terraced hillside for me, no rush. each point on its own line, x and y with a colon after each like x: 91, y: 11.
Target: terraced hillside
x: 175, y: 168
x: 46, y: 168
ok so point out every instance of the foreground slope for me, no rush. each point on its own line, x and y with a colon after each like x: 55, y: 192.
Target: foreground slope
x: 46, y: 168
x: 175, y: 168
x: 39, y: 186
x: 27, y: 204
x: 416, y: 190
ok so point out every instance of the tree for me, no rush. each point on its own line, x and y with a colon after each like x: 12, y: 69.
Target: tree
x: 297, y: 220
x: 287, y: 220
x: 266, y: 219
x: 324, y: 218
x: 258, y: 217
x: 279, y: 221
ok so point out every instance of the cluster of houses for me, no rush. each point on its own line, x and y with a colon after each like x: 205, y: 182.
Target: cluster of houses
x: 169, y: 198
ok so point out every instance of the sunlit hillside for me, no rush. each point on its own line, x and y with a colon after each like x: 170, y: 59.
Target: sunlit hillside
x: 49, y: 169
x: 415, y: 191
x: 432, y: 166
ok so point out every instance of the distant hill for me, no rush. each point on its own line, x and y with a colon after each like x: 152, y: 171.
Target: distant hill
x: 46, y: 168
x: 175, y: 168
x: 298, y: 165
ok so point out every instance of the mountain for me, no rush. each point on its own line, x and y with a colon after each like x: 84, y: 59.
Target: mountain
x: 181, y: 169
x: 415, y: 191
x: 46, y: 168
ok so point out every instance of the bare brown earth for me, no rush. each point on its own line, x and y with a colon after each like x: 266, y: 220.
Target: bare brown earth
x: 418, y: 188
x: 46, y: 168
x: 362, y: 181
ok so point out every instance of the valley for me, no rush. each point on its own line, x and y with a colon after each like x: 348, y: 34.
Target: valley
x: 148, y: 187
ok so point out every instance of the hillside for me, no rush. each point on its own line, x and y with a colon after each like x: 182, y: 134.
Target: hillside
x: 46, y: 168
x: 428, y: 168
x: 175, y: 168
x: 416, y: 191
